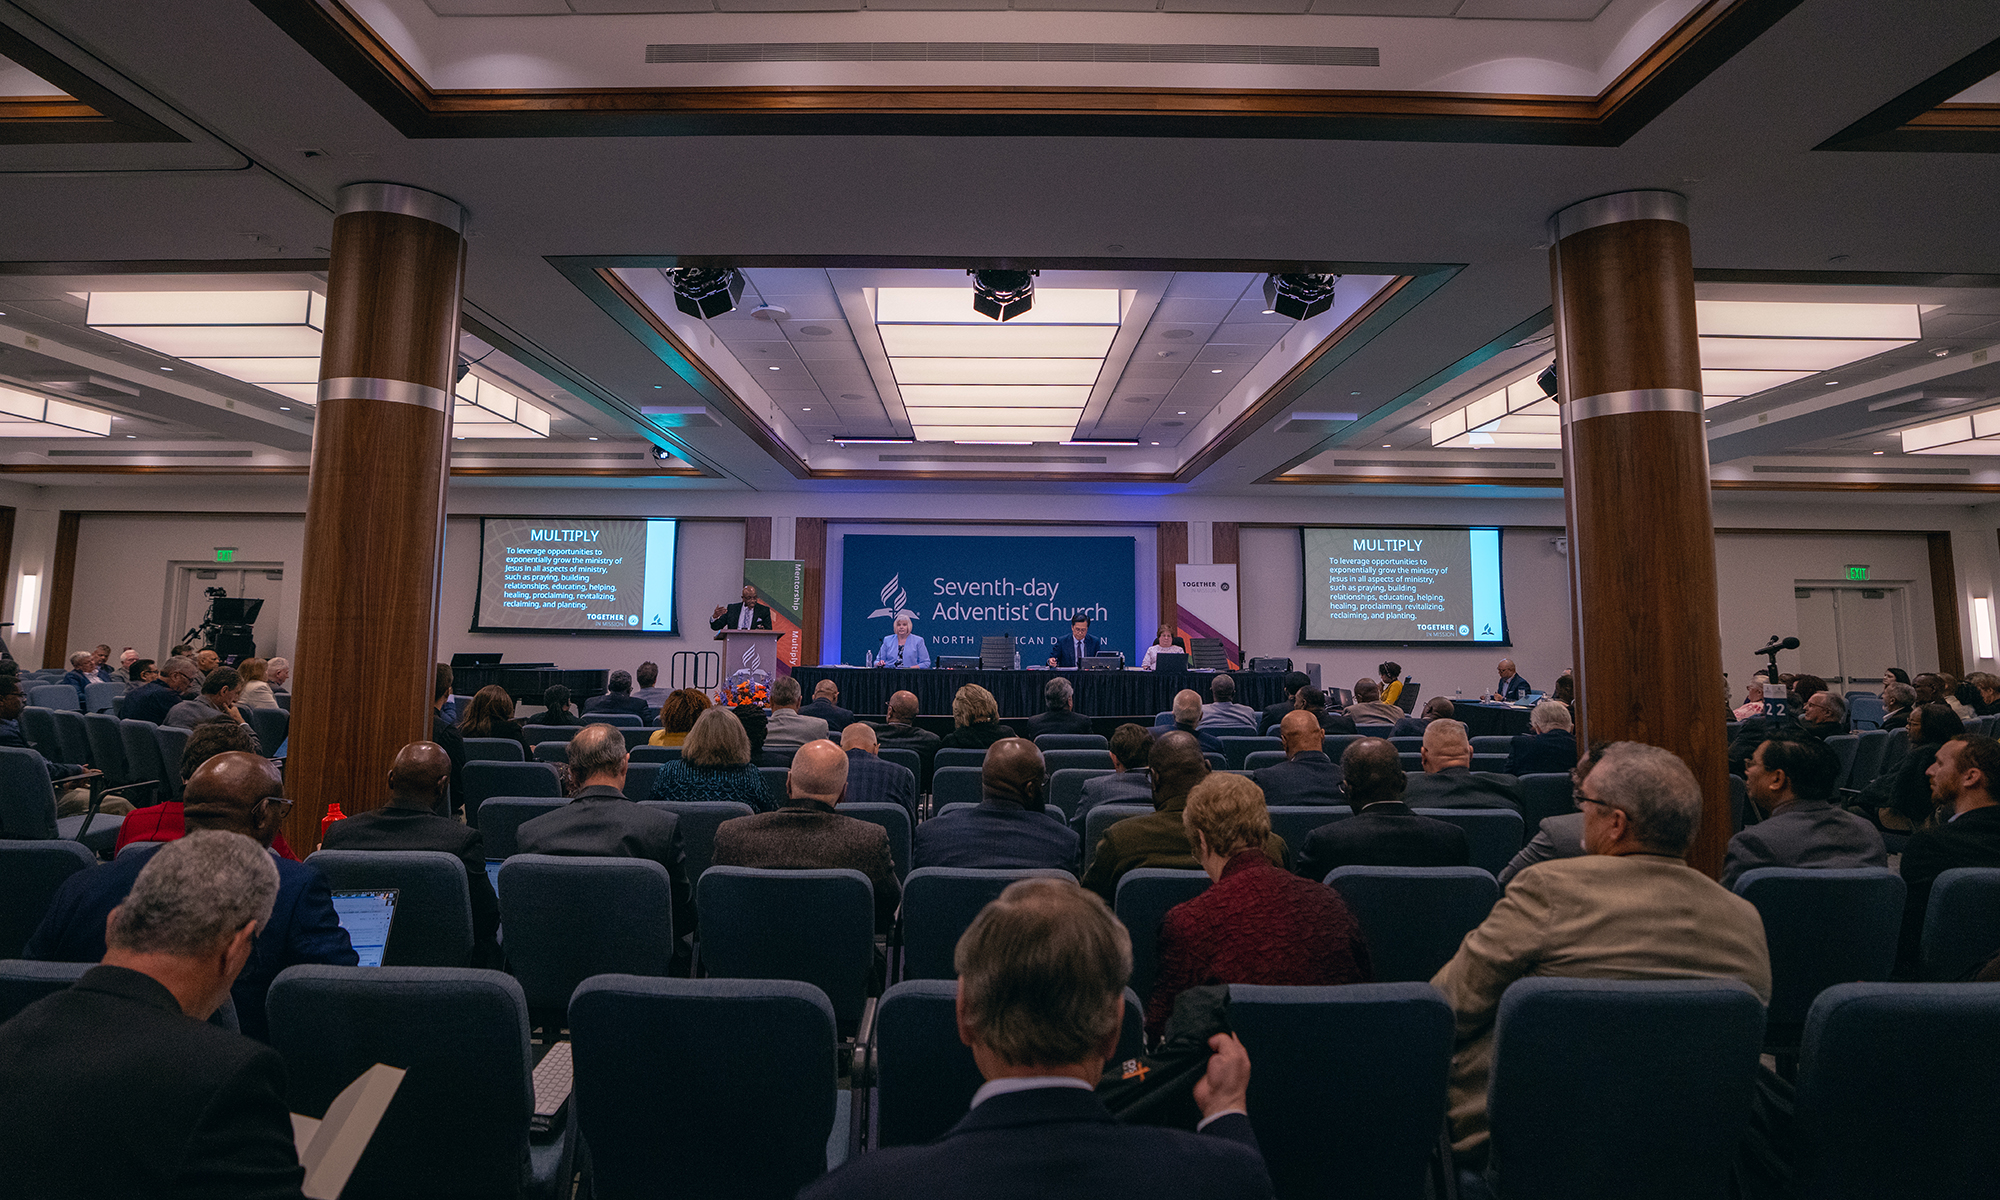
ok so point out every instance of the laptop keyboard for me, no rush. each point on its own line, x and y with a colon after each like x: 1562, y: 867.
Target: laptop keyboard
x: 554, y: 1077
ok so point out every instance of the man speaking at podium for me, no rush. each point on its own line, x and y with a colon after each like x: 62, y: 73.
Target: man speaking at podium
x: 1071, y: 651
x: 745, y: 615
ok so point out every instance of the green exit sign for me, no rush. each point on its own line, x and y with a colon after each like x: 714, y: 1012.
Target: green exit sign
x: 1857, y: 572
x: 228, y: 554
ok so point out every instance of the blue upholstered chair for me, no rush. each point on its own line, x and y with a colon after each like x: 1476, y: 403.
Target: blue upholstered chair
x: 484, y: 779
x: 1076, y: 759
x: 1236, y: 749
x: 1103, y: 817
x: 1494, y: 834
x: 28, y: 806
x: 1071, y: 741
x: 567, y: 918
x: 893, y: 818
x: 24, y: 981
x: 939, y: 904
x: 1295, y: 822
x: 815, y: 927
x: 1144, y: 895
x: 1414, y: 917
x: 55, y: 696
x: 958, y: 756
x: 955, y: 785
x: 30, y: 873
x: 698, y: 820
x: 433, y: 925
x: 493, y: 749
x: 501, y: 817
x: 1823, y: 928
x: 1545, y: 795
x: 1962, y: 922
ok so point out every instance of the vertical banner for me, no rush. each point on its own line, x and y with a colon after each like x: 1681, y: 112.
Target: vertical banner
x: 781, y: 583
x: 1205, y: 606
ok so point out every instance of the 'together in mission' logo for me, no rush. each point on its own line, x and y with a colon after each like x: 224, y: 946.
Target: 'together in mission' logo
x: 895, y: 601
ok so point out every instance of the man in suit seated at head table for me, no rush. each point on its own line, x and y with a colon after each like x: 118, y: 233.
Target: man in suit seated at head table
x: 1010, y: 827
x: 1447, y: 780
x: 1307, y: 776
x: 1041, y: 1027
x: 1383, y: 832
x: 1079, y: 645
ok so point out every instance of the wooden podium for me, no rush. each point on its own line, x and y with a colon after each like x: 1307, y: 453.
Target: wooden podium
x: 761, y: 645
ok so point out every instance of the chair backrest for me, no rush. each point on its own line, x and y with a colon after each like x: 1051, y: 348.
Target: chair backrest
x: 1046, y: 742
x: 537, y: 734
x: 433, y: 925
x: 493, y: 749
x: 1843, y: 746
x: 172, y: 741
x: 1413, y: 761
x: 1336, y: 744
x: 1407, y: 745
x: 1897, y: 1095
x: 939, y: 904
x: 893, y: 818
x: 56, y: 696
x: 458, y: 1125
x: 1295, y: 822
x: 621, y: 720
x: 98, y: 697
x: 1491, y: 743
x: 1414, y: 917
x: 107, y: 749
x: 1962, y: 922
x: 1207, y: 654
x: 142, y: 753
x: 1088, y: 760
x: 1407, y: 698
x: 909, y: 759
x: 774, y: 783
x: 1489, y: 762
x: 501, y: 817
x: 483, y: 779
x: 27, y: 802
x: 1215, y: 761
x: 1893, y: 750
x: 1348, y: 1094
x: 1868, y: 752
x: 550, y: 752
x: 958, y: 756
x: 1103, y: 817
x: 635, y: 738
x: 568, y: 918
x: 38, y: 725
x: 1257, y: 760
x: 1675, y: 1059
x: 655, y: 754
x: 1494, y: 834
x: 1865, y: 709
x: 72, y: 737
x: 1823, y: 928
x: 1363, y: 729
x: 698, y: 821
x: 1236, y: 749
x: 716, y: 1087
x: 639, y: 778
x: 272, y: 726
x: 24, y: 981
x: 1544, y: 795
x: 955, y: 785
x: 1165, y: 718
x: 1143, y: 898
x: 30, y: 873
x: 815, y: 927
x: 1066, y: 787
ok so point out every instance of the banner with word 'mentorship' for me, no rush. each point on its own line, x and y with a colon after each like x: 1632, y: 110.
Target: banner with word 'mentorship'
x: 957, y: 590
x: 1205, y: 606
x: 780, y: 583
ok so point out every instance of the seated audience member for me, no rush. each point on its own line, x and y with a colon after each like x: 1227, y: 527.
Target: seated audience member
x: 1391, y: 675
x: 278, y: 673
x: 1548, y: 747
x: 826, y: 706
x: 12, y: 701
x: 167, y: 820
x: 1965, y: 784
x: 1753, y: 701
x: 556, y: 709
x: 446, y: 734
x: 1187, y: 718
x: 1791, y: 783
x: 1413, y: 726
x: 1947, y: 688
x: 1899, y: 700
x: 872, y: 779
x: 217, y: 702
x: 901, y: 730
x: 1895, y: 675
x: 1987, y: 685
x: 1331, y: 720
x: 677, y: 716
x: 1447, y: 780
x: 1307, y: 776
x: 1368, y: 707
x: 975, y: 716
x: 1900, y: 799
x: 1564, y: 693
x: 714, y: 765
x: 233, y: 792
x: 1158, y: 838
x: 138, y: 675
x: 123, y: 673
x: 1383, y: 832
x: 1822, y: 715
x: 253, y: 691
x: 1128, y: 783
x: 1258, y: 923
x: 1041, y: 982
x: 100, y: 664
x: 419, y: 795
x: 206, y: 661
x: 1560, y: 836
x: 156, y: 699
x: 1010, y: 827
x: 903, y: 649
x: 599, y: 821
x: 81, y: 674
x: 807, y: 834
x: 648, y: 677
x: 1629, y: 908
x: 619, y: 699
x: 1164, y: 641
x: 1222, y: 715
x: 198, y: 1111
x: 1511, y: 687
x: 1272, y: 714
x: 790, y: 728
x: 1058, y: 713
x: 491, y: 715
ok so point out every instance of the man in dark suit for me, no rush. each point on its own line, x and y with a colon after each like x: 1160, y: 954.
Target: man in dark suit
x: 619, y: 699
x: 807, y: 834
x: 234, y: 792
x: 870, y: 778
x: 1307, y: 776
x: 1792, y: 783
x: 1560, y: 836
x: 1079, y: 645
x: 155, y: 700
x: 1187, y: 715
x: 1011, y: 827
x: 1383, y: 832
x: 1129, y: 781
x: 1036, y: 1128
x: 1964, y: 782
x: 1898, y: 701
x: 418, y: 782
x: 730, y: 616
x: 1447, y: 780
x: 1548, y: 747
x: 1414, y: 726
x: 825, y: 705
x: 1292, y: 682
x: 1058, y: 713
x: 901, y: 730
x: 198, y: 1111
x: 600, y: 822
x: 1159, y: 838
x: 1824, y: 715
x: 446, y: 734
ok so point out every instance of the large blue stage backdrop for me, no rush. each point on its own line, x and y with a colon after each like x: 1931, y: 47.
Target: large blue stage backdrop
x: 957, y: 590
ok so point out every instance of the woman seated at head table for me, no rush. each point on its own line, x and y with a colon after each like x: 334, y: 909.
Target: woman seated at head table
x: 1164, y: 640
x: 903, y: 648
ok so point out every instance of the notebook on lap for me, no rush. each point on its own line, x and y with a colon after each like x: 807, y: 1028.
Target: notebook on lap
x: 366, y: 916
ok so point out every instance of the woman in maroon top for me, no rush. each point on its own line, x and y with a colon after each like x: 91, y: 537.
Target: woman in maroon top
x: 1257, y: 923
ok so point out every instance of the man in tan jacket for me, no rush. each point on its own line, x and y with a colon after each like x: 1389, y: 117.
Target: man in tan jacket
x: 1629, y: 908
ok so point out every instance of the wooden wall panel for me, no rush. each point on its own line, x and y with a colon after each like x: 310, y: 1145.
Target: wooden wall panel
x: 1171, y: 550
x: 810, y: 548
x: 1944, y: 603
x: 62, y: 587
x: 756, y: 537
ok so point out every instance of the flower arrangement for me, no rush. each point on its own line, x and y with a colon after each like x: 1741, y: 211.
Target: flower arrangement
x: 746, y: 687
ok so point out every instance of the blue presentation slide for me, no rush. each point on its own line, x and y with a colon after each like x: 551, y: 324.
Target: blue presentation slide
x: 576, y: 575
x: 1402, y: 585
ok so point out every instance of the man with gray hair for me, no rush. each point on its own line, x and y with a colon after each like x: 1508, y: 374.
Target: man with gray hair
x: 1447, y: 780
x: 1628, y: 908
x: 789, y: 728
x: 156, y: 699
x: 1549, y: 746
x: 806, y: 834
x: 1059, y: 713
x: 1187, y: 719
x: 199, y: 1111
x: 599, y: 821
x: 1041, y: 978
x: 1222, y: 715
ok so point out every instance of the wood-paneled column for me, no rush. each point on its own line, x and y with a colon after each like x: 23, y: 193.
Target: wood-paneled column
x: 375, y: 499
x: 1635, y: 472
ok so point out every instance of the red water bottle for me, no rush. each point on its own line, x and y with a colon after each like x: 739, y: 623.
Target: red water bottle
x: 333, y: 814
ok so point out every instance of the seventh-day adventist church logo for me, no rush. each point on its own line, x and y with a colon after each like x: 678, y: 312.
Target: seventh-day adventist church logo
x: 895, y: 601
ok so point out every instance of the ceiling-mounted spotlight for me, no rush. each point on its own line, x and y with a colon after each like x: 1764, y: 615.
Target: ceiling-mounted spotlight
x: 1547, y: 380
x: 660, y: 452
x: 1299, y: 296
x: 707, y: 292
x: 1002, y: 295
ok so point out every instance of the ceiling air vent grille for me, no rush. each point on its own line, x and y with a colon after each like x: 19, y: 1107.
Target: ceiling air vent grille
x: 1011, y: 52
x: 1448, y: 464
x: 1774, y: 470
x: 989, y: 458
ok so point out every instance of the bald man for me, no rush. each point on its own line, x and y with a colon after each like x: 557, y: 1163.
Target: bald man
x: 1187, y: 716
x: 1308, y: 775
x: 1447, y: 780
x: 237, y: 792
x: 901, y: 730
x: 807, y: 834
x: 871, y: 779
x: 1011, y: 825
x: 419, y: 786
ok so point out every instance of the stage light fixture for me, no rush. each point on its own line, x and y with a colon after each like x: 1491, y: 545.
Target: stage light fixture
x: 707, y: 292
x: 1002, y: 295
x: 1299, y: 296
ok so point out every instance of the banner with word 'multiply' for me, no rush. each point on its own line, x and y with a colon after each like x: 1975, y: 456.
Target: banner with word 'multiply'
x: 957, y: 590
x: 1205, y: 606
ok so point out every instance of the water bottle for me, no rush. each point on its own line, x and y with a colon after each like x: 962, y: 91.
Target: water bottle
x: 870, y: 660
x: 1017, y: 658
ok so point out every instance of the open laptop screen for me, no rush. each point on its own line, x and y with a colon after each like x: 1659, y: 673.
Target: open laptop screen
x: 366, y: 916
